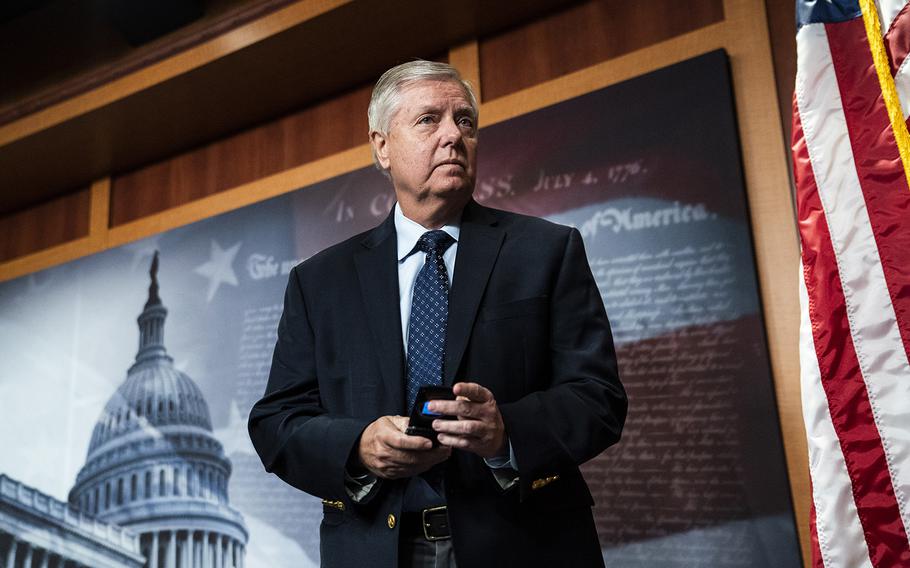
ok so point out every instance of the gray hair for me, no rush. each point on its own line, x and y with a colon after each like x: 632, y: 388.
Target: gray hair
x: 387, y: 92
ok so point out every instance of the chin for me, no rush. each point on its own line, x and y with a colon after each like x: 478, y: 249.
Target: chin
x: 459, y: 191
x: 453, y: 184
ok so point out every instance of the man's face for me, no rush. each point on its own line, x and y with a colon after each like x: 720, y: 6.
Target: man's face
x: 431, y: 147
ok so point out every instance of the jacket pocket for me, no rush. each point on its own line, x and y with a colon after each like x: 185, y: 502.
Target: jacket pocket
x: 514, y: 309
x: 332, y: 512
x: 566, y: 490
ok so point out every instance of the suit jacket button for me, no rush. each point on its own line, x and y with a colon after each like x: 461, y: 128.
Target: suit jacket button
x: 391, y: 521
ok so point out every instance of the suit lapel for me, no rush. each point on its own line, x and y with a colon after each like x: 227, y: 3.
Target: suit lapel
x: 377, y: 271
x: 478, y: 247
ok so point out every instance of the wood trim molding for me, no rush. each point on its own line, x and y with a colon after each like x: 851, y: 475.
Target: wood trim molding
x: 49, y: 258
x: 774, y: 232
x: 99, y: 212
x: 241, y: 196
x: 605, y: 74
x: 466, y: 58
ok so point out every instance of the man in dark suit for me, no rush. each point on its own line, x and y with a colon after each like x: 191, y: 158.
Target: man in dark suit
x: 502, y: 307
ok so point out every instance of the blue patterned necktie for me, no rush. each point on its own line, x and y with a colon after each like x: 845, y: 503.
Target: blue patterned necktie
x: 429, y: 314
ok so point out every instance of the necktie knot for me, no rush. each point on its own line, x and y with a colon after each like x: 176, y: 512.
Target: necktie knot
x: 435, y: 242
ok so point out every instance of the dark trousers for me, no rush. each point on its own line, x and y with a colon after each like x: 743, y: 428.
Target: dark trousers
x: 418, y: 552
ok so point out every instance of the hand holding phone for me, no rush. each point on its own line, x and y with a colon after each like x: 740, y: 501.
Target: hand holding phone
x: 421, y: 419
x: 478, y: 427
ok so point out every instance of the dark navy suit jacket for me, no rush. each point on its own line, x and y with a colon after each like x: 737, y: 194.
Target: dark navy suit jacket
x: 526, y: 320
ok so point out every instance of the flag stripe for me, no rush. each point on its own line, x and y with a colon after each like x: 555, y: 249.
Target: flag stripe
x: 879, y: 165
x: 845, y: 426
x: 837, y: 535
x: 877, y: 286
x: 816, y: 561
x: 902, y: 83
x: 837, y: 527
x: 863, y: 298
x: 888, y: 10
x: 897, y: 38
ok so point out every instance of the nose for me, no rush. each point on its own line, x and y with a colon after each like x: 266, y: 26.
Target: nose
x: 449, y: 131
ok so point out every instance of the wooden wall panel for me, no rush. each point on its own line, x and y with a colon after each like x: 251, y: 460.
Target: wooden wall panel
x: 56, y: 222
x: 782, y: 28
x: 582, y: 36
x: 332, y: 126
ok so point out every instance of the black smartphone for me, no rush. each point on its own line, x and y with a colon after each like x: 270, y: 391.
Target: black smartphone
x: 421, y: 420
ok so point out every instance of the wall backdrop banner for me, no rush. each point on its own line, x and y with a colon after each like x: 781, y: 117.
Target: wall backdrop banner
x: 648, y: 170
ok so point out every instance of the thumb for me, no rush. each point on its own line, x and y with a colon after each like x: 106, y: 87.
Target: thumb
x: 400, y: 422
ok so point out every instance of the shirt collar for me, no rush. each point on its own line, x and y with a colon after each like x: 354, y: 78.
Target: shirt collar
x: 409, y: 231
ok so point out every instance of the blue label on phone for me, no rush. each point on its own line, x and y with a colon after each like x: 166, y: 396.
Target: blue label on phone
x: 426, y: 410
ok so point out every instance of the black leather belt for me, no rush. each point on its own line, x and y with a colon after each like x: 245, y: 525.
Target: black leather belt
x: 431, y: 524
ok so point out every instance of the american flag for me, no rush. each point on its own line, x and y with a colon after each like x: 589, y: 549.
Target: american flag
x: 851, y: 155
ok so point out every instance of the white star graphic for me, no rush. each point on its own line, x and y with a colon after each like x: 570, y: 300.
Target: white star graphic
x: 219, y: 269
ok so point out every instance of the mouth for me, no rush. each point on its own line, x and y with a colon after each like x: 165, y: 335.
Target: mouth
x: 453, y: 162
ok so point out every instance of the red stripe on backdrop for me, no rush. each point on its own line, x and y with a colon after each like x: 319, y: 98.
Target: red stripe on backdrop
x: 878, y: 163
x: 848, y: 401
x: 897, y: 39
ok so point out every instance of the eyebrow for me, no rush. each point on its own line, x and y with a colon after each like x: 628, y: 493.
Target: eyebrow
x: 466, y: 109
x: 425, y: 109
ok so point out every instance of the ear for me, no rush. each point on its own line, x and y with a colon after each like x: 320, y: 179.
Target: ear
x: 380, y: 148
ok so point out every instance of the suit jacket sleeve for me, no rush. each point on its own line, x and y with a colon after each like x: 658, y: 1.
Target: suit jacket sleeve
x: 583, y: 410
x: 294, y: 435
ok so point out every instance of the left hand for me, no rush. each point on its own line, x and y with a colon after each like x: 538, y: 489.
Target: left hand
x: 479, y: 428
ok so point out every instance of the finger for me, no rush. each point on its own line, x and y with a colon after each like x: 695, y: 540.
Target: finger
x: 418, y: 460
x: 455, y: 442
x: 426, y: 461
x: 438, y: 454
x: 410, y: 457
x: 459, y: 408
x: 470, y: 428
x: 399, y: 422
x: 397, y: 440
x: 473, y: 391
x: 399, y: 458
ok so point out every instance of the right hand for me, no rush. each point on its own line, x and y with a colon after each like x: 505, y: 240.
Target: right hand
x: 389, y: 453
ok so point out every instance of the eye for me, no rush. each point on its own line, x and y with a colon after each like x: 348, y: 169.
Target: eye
x: 466, y: 122
x: 426, y: 119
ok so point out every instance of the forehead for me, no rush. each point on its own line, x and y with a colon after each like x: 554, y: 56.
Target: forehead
x: 431, y: 93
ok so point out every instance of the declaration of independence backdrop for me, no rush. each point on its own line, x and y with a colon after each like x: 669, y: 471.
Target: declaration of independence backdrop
x: 648, y: 170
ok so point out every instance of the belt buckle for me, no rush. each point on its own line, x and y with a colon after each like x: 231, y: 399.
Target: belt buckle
x: 425, y: 525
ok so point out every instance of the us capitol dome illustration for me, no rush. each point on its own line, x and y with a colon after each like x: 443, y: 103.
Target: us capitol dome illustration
x: 154, y: 467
